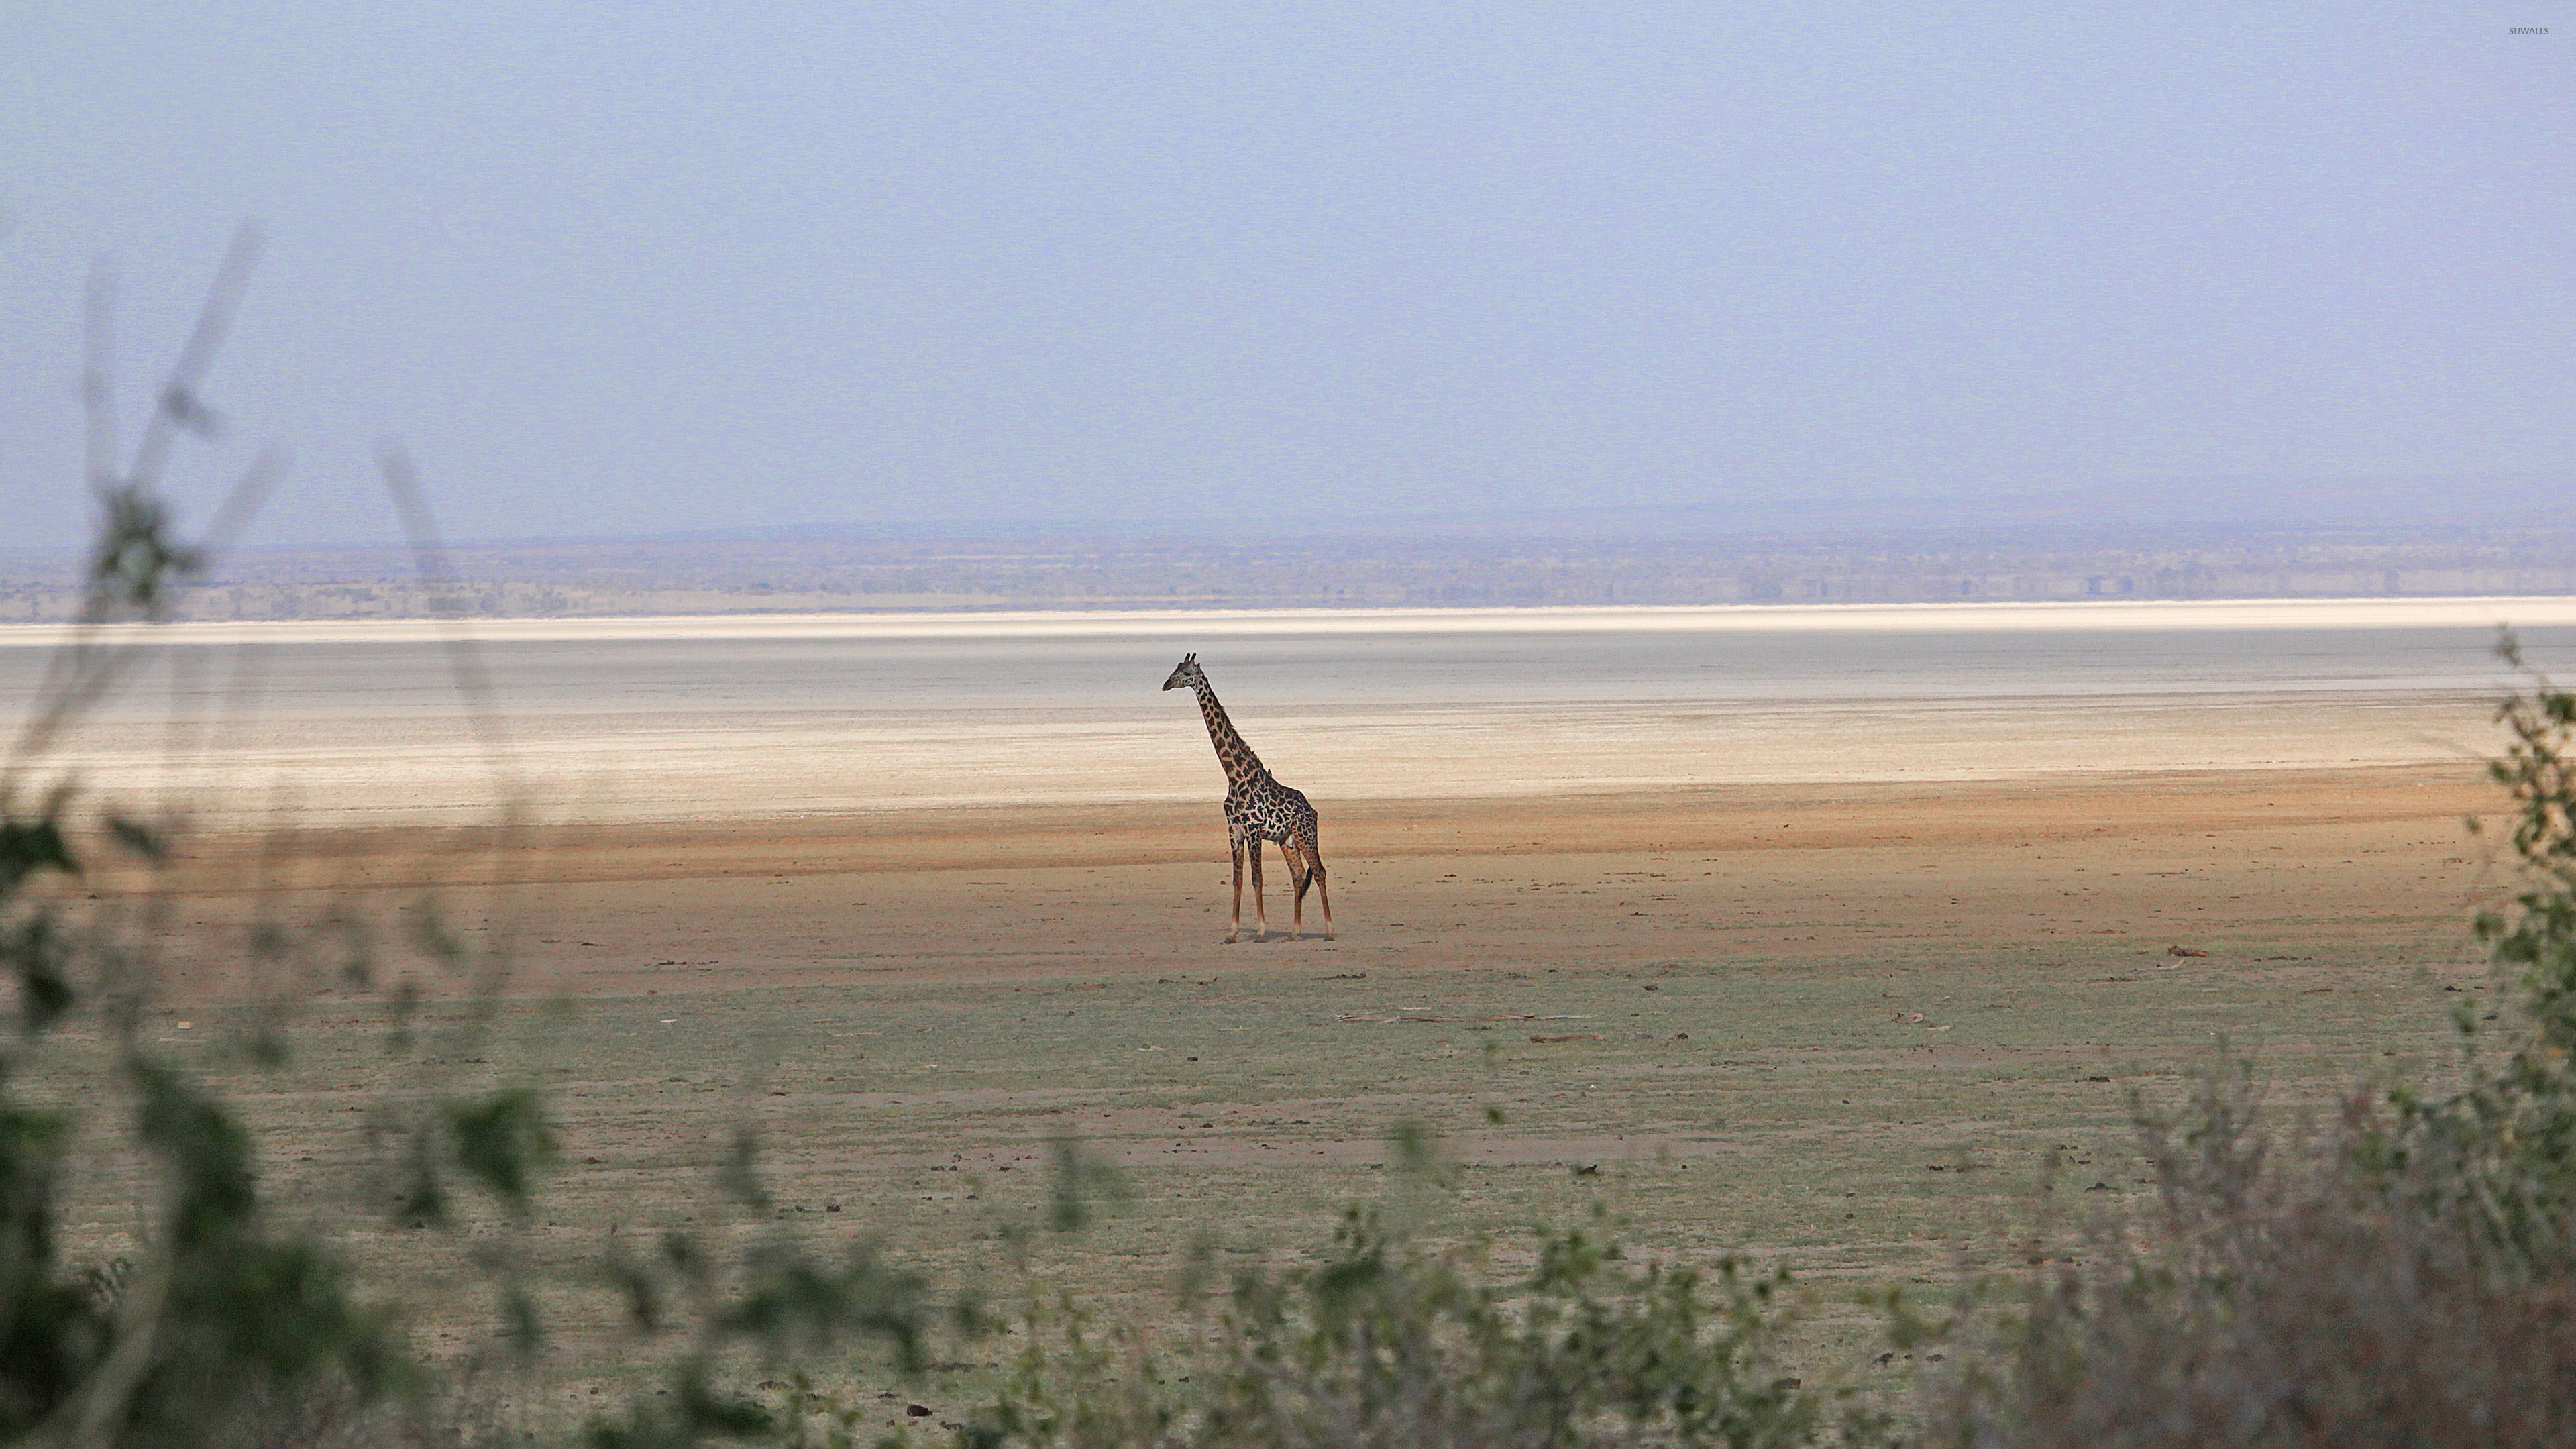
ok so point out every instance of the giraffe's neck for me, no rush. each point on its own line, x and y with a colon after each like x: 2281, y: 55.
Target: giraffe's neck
x: 1240, y: 763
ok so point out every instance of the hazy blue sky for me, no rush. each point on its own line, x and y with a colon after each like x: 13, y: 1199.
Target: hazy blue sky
x: 633, y: 266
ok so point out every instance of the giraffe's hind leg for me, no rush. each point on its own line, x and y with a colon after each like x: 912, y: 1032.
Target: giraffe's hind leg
x: 1303, y: 875
x: 1313, y: 850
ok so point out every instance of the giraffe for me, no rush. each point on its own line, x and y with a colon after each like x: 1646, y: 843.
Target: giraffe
x: 1259, y: 808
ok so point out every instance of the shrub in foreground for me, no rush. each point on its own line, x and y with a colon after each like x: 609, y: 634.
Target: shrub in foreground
x: 2404, y: 1275
x: 2282, y: 1292
x: 1389, y: 1343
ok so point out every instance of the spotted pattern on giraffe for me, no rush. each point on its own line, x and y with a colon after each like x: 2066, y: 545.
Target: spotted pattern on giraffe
x: 1257, y: 809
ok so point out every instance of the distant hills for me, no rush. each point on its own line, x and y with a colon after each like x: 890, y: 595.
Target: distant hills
x: 2202, y: 502
x: 2166, y: 538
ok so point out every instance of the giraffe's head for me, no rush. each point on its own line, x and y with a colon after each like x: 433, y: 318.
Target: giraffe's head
x: 1185, y: 675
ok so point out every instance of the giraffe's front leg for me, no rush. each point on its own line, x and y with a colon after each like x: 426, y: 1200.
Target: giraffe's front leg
x: 1232, y: 935
x: 1260, y: 906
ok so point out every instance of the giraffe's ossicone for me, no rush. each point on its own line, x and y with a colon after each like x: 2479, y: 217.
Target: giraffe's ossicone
x: 1259, y: 808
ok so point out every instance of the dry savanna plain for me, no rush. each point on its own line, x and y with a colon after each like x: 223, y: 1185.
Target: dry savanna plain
x: 1850, y: 944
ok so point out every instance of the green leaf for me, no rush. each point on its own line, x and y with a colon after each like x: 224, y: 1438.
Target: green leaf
x: 739, y: 1176
x: 41, y: 958
x: 1078, y: 1177
x: 30, y: 846
x: 140, y: 839
x: 502, y: 1140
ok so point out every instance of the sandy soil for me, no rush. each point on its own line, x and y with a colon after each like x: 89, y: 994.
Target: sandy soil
x: 2164, y: 859
x: 1837, y: 1025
